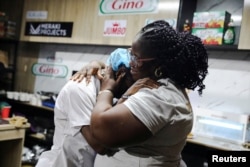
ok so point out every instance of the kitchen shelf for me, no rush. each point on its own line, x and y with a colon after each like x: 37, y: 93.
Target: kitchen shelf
x: 41, y: 119
x: 5, y: 39
x: 187, y: 8
x: 222, y: 47
x: 30, y: 106
x: 10, y: 47
x: 42, y: 141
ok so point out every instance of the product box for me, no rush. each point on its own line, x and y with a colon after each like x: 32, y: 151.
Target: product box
x: 7, y: 29
x: 212, y: 19
x: 209, y: 36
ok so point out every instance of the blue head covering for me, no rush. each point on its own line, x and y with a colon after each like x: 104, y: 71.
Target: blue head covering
x: 117, y: 58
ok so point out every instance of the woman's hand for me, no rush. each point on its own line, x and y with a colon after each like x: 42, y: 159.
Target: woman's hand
x: 141, y: 83
x: 108, y: 80
x: 93, y: 68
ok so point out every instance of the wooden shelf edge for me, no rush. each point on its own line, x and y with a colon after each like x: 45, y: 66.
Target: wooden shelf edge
x: 222, y: 47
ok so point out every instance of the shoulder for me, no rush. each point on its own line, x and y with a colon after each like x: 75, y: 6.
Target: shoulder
x: 81, y: 88
x: 156, y: 107
x: 167, y: 91
x: 83, y: 84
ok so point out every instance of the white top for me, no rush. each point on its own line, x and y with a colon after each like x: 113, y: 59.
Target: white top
x: 167, y: 113
x: 73, y: 108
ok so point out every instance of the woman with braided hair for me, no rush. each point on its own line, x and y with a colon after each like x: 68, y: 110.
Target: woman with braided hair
x: 151, y: 121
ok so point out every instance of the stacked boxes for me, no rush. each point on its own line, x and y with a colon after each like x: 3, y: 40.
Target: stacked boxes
x: 210, y: 26
x: 10, y: 29
x: 2, y: 20
x: 7, y: 27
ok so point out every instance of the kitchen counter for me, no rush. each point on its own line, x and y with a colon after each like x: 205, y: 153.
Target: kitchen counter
x: 216, y: 144
x: 11, y: 144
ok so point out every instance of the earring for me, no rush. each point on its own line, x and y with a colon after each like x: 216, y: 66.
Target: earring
x: 158, y: 72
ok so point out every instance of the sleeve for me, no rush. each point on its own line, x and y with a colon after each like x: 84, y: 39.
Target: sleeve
x: 154, y: 108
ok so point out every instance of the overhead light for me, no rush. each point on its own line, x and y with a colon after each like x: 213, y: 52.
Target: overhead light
x: 173, y: 5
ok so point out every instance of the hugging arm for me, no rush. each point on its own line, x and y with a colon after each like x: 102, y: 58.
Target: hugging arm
x: 116, y: 126
x: 95, y: 144
x: 93, y: 68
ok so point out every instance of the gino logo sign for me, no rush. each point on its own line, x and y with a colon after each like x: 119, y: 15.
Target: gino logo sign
x: 50, y: 70
x: 127, y: 6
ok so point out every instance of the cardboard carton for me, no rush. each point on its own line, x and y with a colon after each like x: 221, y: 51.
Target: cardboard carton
x: 209, y: 36
x: 212, y: 19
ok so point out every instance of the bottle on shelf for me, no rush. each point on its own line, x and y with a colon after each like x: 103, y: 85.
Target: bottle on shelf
x: 186, y: 26
x: 229, y: 36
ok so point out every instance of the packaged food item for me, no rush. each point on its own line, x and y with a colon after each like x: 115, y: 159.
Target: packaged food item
x: 186, y: 26
x: 209, y: 36
x: 211, y: 19
x: 7, y: 27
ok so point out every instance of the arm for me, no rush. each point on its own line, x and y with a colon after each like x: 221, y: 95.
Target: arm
x: 116, y: 126
x: 100, y: 149
x: 108, y: 134
x: 93, y: 68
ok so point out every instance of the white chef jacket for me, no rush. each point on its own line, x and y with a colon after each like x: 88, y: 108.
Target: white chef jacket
x: 73, y: 109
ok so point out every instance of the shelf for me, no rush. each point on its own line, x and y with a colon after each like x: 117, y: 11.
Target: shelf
x: 222, y: 47
x: 40, y: 139
x: 9, y: 70
x: 9, y: 45
x: 5, y: 39
x: 11, y: 101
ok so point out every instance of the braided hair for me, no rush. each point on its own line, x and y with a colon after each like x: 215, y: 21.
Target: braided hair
x: 181, y: 56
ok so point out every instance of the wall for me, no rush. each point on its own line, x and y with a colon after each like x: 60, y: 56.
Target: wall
x: 89, y: 24
x: 29, y: 54
x: 227, y: 85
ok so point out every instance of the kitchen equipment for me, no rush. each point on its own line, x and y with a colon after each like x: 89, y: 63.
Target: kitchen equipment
x: 48, y: 99
x: 232, y: 127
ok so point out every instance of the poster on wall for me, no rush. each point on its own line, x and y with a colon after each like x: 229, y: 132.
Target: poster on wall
x: 49, y: 29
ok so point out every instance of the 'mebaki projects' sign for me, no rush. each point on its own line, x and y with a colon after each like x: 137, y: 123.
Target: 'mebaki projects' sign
x: 127, y: 6
x: 51, y: 29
